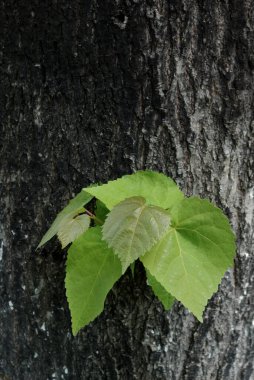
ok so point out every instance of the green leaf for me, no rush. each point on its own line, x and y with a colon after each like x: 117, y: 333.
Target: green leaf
x: 132, y: 268
x: 91, y: 271
x: 194, y: 254
x: 73, y: 208
x: 71, y: 229
x: 101, y: 211
x: 163, y: 295
x: 156, y: 188
x: 133, y: 227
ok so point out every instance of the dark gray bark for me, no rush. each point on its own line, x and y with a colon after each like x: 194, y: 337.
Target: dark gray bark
x: 91, y: 90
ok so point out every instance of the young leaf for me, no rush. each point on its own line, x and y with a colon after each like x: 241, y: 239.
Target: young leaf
x: 101, y: 211
x: 133, y: 227
x: 194, y: 254
x: 156, y: 188
x: 91, y: 271
x: 72, y: 209
x: 71, y: 229
x: 163, y: 295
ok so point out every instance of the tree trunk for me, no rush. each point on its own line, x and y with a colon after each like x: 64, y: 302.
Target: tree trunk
x: 92, y: 90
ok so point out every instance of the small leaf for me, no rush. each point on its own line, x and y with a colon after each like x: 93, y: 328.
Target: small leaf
x: 73, y: 208
x: 156, y: 188
x: 163, y: 295
x: 91, y: 271
x: 101, y: 212
x: 71, y: 229
x: 133, y: 227
x: 192, y: 257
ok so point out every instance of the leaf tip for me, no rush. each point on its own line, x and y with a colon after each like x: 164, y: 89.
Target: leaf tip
x: 74, y: 331
x: 199, y: 318
x: 39, y: 245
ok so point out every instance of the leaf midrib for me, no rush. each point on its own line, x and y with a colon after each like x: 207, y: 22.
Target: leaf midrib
x: 134, y: 230
x: 180, y: 252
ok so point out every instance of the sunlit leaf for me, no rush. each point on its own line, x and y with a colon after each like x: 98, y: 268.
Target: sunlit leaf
x: 71, y: 229
x: 133, y: 227
x: 91, y: 271
x: 192, y: 257
x: 73, y: 208
x: 156, y: 188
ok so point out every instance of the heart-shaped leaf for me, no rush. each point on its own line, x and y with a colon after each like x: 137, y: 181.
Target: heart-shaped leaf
x: 133, y: 227
x: 191, y: 258
x: 156, y: 188
x: 70, y: 229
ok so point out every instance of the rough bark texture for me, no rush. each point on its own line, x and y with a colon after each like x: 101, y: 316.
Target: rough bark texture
x: 91, y: 90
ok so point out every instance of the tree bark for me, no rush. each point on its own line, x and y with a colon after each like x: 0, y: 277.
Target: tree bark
x: 92, y: 90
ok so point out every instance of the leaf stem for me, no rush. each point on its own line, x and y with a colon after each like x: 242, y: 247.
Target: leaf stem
x: 92, y: 216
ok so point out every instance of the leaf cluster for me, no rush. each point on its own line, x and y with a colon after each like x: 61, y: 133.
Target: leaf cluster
x: 185, y: 244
